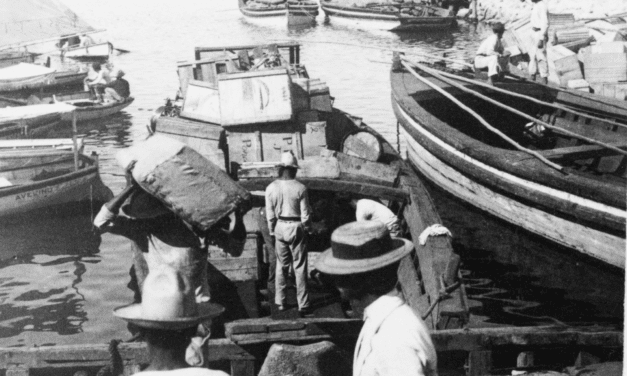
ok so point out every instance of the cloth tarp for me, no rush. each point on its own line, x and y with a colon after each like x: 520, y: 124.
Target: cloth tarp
x: 14, y: 114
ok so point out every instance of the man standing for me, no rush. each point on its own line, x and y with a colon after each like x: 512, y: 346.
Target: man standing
x: 538, y: 61
x: 364, y: 261
x: 287, y: 212
x: 491, y: 53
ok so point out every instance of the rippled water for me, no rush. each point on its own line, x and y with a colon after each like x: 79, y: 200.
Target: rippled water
x: 59, y: 282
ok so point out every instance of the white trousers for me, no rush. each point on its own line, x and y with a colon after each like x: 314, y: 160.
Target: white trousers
x: 492, y: 62
x: 538, y: 61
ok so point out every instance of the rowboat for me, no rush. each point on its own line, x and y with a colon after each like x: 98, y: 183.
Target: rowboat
x: 301, y: 12
x: 40, y: 177
x: 552, y: 161
x: 99, y: 51
x: 262, y: 10
x: 25, y: 76
x: 31, y: 121
x: 86, y: 107
x: 389, y: 16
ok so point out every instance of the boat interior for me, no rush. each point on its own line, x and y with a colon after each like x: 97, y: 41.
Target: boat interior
x: 556, y: 145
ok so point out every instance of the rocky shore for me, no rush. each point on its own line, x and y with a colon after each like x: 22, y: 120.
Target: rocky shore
x: 512, y: 10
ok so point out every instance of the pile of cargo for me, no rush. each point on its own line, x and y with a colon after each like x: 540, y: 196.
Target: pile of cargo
x: 587, y: 55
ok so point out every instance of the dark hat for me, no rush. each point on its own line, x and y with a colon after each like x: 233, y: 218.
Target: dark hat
x: 498, y: 27
x: 358, y: 247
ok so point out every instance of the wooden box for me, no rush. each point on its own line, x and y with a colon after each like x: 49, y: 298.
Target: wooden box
x: 319, y: 96
x: 608, y: 48
x: 314, y: 140
x: 263, y: 143
x: 238, y: 263
x: 255, y: 97
x: 202, y: 102
x: 605, y: 67
x: 564, y: 63
x: 205, y: 70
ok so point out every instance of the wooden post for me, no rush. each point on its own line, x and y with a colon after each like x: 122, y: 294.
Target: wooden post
x: 525, y: 359
x: 74, y: 140
x: 479, y: 363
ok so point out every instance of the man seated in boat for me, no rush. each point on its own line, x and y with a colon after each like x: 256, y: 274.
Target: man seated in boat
x: 492, y: 55
x: 95, y: 81
x: 119, y: 89
x: 363, y: 261
x: 160, y: 239
x: 167, y: 317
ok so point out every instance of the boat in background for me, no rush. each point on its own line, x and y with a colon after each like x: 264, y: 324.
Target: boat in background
x: 24, y: 76
x: 297, y: 12
x: 46, y: 175
x: 557, y: 169
x: 96, y: 52
x: 86, y: 108
x: 390, y: 15
x: 31, y: 121
x: 302, y: 12
x: 15, y: 56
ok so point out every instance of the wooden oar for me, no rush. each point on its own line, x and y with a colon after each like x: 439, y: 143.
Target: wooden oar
x: 479, y: 118
x: 531, y: 99
x: 510, y: 109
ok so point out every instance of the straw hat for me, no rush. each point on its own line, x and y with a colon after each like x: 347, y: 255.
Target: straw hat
x: 358, y: 247
x: 166, y: 304
x: 288, y: 160
x: 142, y: 205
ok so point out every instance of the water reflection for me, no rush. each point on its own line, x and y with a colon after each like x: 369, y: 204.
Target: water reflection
x: 42, y: 262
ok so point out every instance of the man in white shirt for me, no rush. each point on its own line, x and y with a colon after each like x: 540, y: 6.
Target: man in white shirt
x: 364, y: 260
x: 538, y: 61
x: 491, y: 53
x: 287, y: 212
x: 370, y: 210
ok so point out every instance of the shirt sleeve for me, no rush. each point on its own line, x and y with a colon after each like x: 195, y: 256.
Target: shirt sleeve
x: 270, y: 215
x: 305, y: 209
x: 107, y: 221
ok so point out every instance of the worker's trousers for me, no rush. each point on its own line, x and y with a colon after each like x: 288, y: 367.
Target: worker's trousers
x: 538, y: 61
x: 291, y: 249
x: 492, y: 62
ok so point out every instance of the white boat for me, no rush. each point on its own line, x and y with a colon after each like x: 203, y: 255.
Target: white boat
x: 94, y: 51
x: 28, y: 121
x: 25, y: 76
x: 39, y: 178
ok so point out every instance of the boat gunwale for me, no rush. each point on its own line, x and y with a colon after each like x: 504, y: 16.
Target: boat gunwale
x: 514, y: 162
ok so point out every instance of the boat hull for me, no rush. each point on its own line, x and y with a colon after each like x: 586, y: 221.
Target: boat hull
x: 262, y: 12
x: 97, y: 111
x: 425, y: 152
x: 95, y: 51
x: 389, y: 20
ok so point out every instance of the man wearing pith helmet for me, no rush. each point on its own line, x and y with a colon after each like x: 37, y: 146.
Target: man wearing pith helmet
x: 363, y: 260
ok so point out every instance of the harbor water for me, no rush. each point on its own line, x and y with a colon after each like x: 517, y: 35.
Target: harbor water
x: 59, y: 281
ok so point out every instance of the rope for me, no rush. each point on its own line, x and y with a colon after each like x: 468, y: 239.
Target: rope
x: 115, y: 366
x: 480, y: 119
x: 510, y: 109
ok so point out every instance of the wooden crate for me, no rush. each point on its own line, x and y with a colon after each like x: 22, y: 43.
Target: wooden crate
x: 259, y: 143
x: 255, y: 97
x: 605, y: 67
x: 205, y: 70
x: 240, y: 262
x: 608, y: 48
x: 563, y: 65
x: 314, y: 140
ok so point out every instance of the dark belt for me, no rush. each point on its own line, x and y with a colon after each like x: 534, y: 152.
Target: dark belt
x: 289, y: 219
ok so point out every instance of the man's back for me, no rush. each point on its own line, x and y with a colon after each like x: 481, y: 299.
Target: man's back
x: 285, y: 198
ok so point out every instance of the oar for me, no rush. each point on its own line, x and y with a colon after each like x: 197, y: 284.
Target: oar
x: 563, y: 131
x: 121, y: 50
x: 478, y: 117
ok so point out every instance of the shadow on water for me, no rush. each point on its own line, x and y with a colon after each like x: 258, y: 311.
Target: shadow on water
x: 519, y: 278
x: 42, y: 261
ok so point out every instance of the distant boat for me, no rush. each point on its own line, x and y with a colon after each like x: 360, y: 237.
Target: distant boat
x: 99, y: 51
x: 41, y: 177
x: 31, y: 121
x: 391, y: 16
x: 301, y: 12
x: 15, y: 56
x: 25, y: 76
x: 263, y: 9
x: 86, y: 107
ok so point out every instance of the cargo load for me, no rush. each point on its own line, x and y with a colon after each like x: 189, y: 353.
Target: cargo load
x: 187, y: 183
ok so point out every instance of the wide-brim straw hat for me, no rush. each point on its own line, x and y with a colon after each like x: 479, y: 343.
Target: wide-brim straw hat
x: 359, y: 247
x: 288, y: 160
x: 142, y: 205
x: 167, y: 304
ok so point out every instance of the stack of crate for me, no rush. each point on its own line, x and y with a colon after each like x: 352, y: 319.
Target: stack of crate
x: 605, y: 66
x: 563, y: 65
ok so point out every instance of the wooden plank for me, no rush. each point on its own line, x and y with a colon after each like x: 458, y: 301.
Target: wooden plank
x: 359, y: 168
x: 190, y: 128
x: 581, y: 151
x: 314, y: 167
x: 356, y: 186
x: 291, y: 330
x: 412, y: 287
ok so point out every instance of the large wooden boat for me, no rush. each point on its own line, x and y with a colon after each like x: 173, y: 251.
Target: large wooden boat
x: 36, y: 177
x: 562, y: 177
x: 33, y: 121
x: 390, y: 16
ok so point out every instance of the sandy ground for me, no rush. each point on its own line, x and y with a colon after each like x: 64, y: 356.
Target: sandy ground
x: 512, y: 10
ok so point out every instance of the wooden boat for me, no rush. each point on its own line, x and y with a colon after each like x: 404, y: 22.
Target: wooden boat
x: 42, y: 177
x: 99, y: 51
x: 87, y: 108
x: 554, y: 182
x: 262, y: 11
x: 25, y: 76
x: 325, y: 141
x: 32, y: 121
x: 390, y: 16
x: 12, y: 57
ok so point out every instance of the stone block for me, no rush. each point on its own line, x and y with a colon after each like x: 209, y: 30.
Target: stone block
x: 317, y: 359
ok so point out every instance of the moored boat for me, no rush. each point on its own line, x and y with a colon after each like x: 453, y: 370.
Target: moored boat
x: 86, y: 107
x: 556, y: 169
x: 98, y: 51
x: 31, y: 121
x: 301, y: 12
x: 391, y: 16
x: 40, y: 177
x: 262, y: 9
x: 25, y: 76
